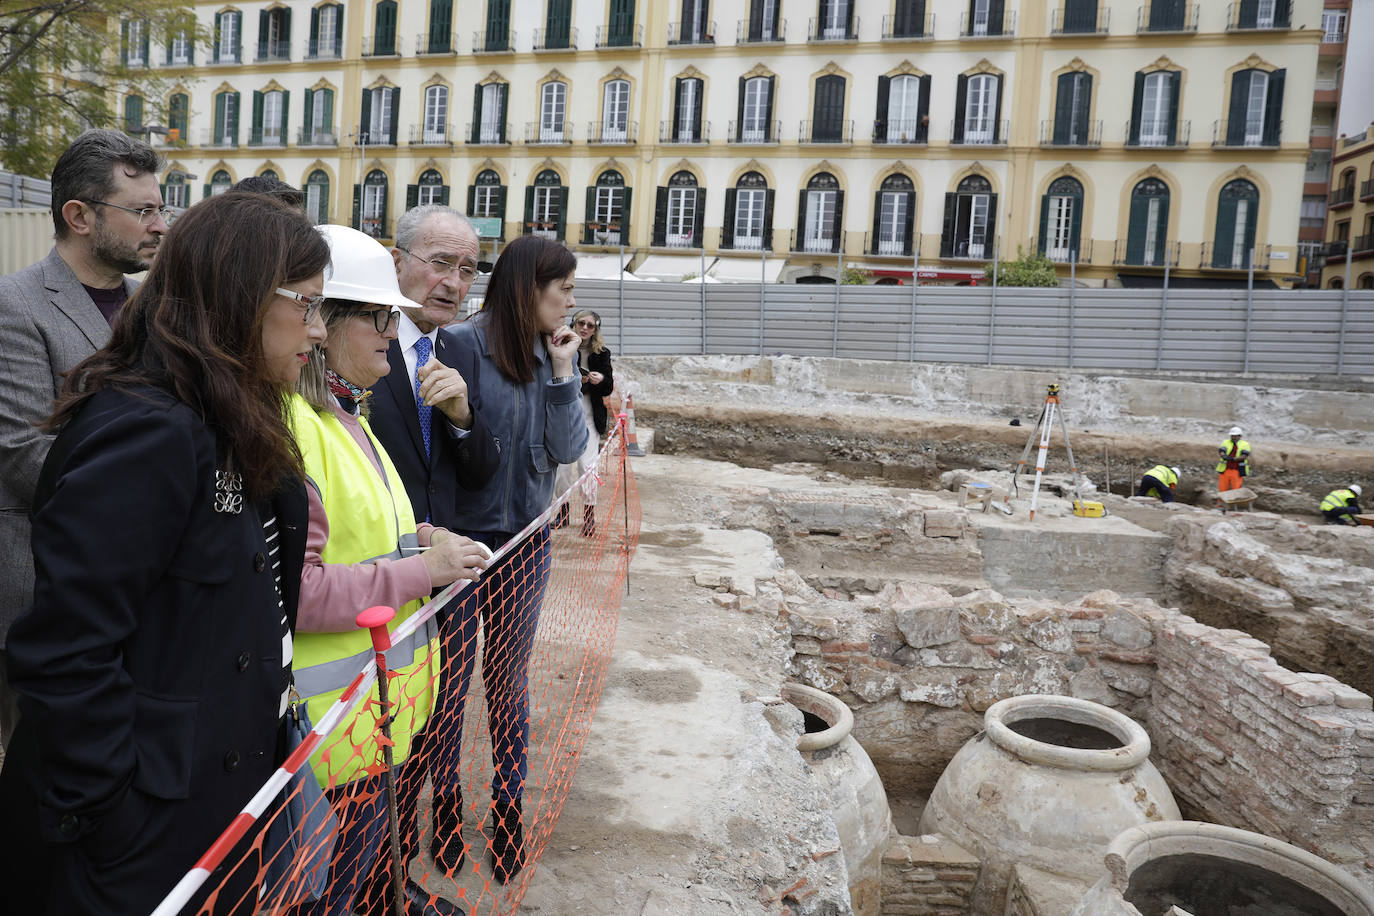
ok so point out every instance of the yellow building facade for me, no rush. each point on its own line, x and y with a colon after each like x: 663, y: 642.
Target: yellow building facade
x: 1350, y: 214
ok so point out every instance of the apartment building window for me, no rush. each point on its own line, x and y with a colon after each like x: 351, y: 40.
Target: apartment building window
x: 820, y: 213
x: 175, y: 192
x: 546, y: 206
x: 836, y: 19
x: 1061, y: 218
x: 687, y: 105
x: 558, y: 24
x: 326, y: 30
x: 319, y: 117
x: 1147, y: 226
x: 226, y: 124
x: 274, y: 34
x: 317, y: 197
x: 1313, y: 213
x: 763, y: 20
x: 909, y: 19
x: 985, y: 17
x: 970, y: 219
x: 384, y: 28
x: 219, y: 183
x: 489, y: 113
x: 1073, y: 103
x: 977, y: 108
x: 1080, y: 16
x: 621, y: 31
x: 1256, y: 109
x: 827, y: 111
x: 903, y: 114
x: 133, y: 115
x: 381, y: 108
x: 1237, y: 215
x: 487, y: 196
x: 1333, y: 26
x: 429, y: 189
x: 756, y: 109
x: 1154, y: 108
x: 269, y: 118
x: 178, y: 115
x: 498, y: 25
x: 695, y: 25
x: 370, y: 204
x: 1168, y: 15
x: 615, y: 111
x: 894, y: 214
x: 435, y: 128
x: 748, y: 223
x: 180, y: 50
x: 440, y: 40
x: 1264, y: 14
x: 678, y: 211
x: 134, y: 43
x: 608, y: 203
x: 228, y: 29
x: 553, y: 107
x: 1318, y: 166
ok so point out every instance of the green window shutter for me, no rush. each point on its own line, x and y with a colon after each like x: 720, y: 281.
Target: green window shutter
x: 327, y: 100
x: 357, y: 206
x: 529, y: 209
x: 1273, y: 107
x: 285, y: 108
x: 562, y: 224
x: 1137, y: 106
x: 1235, y: 122
x: 727, y: 223
x: 589, y: 215
x: 472, y: 199
x: 1225, y: 232
x: 412, y: 196
x: 385, y: 40
x: 476, y: 114
x: 768, y: 219
x: 124, y: 43
x: 1076, y: 225
x: 256, y: 135
x: 315, y: 30
x: 395, y: 114
x: 1136, y: 226
x: 660, y: 235
x: 365, y: 121
x: 443, y: 195
x: 219, y: 127
x: 877, y: 221
x: 501, y: 207
x: 625, y: 216
x: 1175, y: 86
x: 837, y: 224
x: 264, y: 17
x: 214, y: 41
x: 306, y: 135
x: 504, y: 95
x: 1162, y: 233
x: 234, y: 121
x: 204, y: 191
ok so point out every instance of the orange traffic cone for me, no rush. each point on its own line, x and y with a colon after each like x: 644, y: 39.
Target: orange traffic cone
x: 631, y: 443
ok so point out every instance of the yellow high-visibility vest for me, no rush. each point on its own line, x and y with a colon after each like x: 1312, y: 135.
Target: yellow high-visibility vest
x: 1163, y: 474
x: 1242, y: 448
x: 1338, y: 499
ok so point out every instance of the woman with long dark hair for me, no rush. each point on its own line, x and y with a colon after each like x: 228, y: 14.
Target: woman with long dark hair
x: 168, y: 536
x: 517, y: 356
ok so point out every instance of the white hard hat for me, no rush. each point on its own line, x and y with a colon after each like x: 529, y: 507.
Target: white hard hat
x: 1234, y: 431
x: 360, y: 269
x: 1355, y: 488
x: 1176, y: 471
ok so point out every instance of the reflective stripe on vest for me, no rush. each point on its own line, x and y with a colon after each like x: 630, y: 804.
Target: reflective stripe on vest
x: 1227, y: 454
x: 370, y: 519
x: 1337, y: 499
x: 1163, y: 474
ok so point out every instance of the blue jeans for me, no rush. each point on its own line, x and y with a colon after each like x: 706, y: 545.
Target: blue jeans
x: 363, y: 843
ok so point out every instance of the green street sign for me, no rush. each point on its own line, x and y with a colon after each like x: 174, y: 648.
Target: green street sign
x: 488, y: 227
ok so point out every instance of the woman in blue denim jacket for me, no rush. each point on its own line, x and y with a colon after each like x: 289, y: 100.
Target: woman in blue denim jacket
x: 518, y: 357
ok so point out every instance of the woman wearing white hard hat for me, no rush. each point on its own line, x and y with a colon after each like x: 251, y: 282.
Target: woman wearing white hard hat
x: 363, y: 548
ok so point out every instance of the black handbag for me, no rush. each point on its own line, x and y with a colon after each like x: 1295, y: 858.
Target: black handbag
x: 300, y: 839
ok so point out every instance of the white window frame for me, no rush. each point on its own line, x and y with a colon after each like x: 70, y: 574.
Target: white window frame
x: 615, y: 111
x: 1152, y: 227
x: 748, y: 228
x: 315, y: 199
x: 682, y: 211
x: 1255, y: 103
x: 1059, y: 227
x: 1238, y: 233
x: 837, y: 20
x: 493, y: 117
x: 980, y: 106
x: 1154, y: 109
x: 484, y: 198
x: 181, y: 49
x: 176, y: 194
x: 546, y: 199
x: 691, y: 26
x: 769, y: 13
x: 1264, y: 14
x: 903, y: 108
x: 222, y: 126
x: 1333, y: 26
x: 892, y: 212
x: 135, y: 47
x: 982, y: 15
x: 686, y: 109
x: 435, y: 128
x: 755, y: 126
x: 327, y: 36
x: 820, y: 220
x: 608, y: 207
x: 318, y: 116
x: 379, y: 124
x: 428, y: 194
x: 220, y: 186
x: 228, y: 38
x: 270, y: 129
x: 553, y: 108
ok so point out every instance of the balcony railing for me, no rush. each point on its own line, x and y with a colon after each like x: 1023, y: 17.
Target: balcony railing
x: 988, y: 133
x: 541, y: 229
x: 612, y: 134
x: 1078, y: 24
x: 1367, y: 189
x: 688, y: 33
x: 267, y: 137
x: 619, y: 37
x: 959, y: 249
x: 1081, y: 136
x: 677, y: 240
x: 436, y: 43
x: 209, y: 137
x: 324, y: 48
x: 1362, y: 244
x: 493, y: 42
x: 826, y: 132
x: 381, y: 137
x: 763, y: 35
x: 375, y: 227
x: 1266, y: 136
x: 602, y: 234
x: 309, y: 137
x: 1337, y: 248
x: 887, y: 248
x: 1341, y: 197
x: 555, y: 39
x: 1082, y: 253
x: 670, y: 132
x: 906, y: 132
x: 540, y: 134
x: 1280, y: 17
x: 1185, y: 21
x: 1321, y: 130
x: 1146, y: 255
x: 987, y: 27
x: 274, y: 50
x: 824, y: 243
x: 908, y: 28
x: 768, y: 132
x: 1156, y: 135
x: 371, y: 47
x: 820, y: 29
x: 431, y: 136
x: 1326, y: 84
x: 481, y: 134
x: 227, y: 55
x: 1229, y: 258
x: 729, y: 241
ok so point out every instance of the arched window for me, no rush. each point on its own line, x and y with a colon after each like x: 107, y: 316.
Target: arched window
x: 487, y: 197
x: 756, y: 110
x: 894, y: 209
x: 978, y: 108
x: 374, y: 199
x: 820, y: 214
x: 430, y: 189
x: 1256, y: 108
x: 1073, y: 102
x: 269, y: 173
x: 269, y: 119
x: 678, y: 212
x: 546, y: 205
x: 553, y: 107
x: 1147, y: 227
x: 749, y: 214
x: 608, y: 211
x: 903, y: 109
x: 1237, y: 216
x: 970, y: 220
x: 1366, y: 281
x: 220, y: 182
x: 317, y: 197
x: 436, y: 115
x: 615, y: 111
x: 489, y: 113
x: 827, y: 111
x: 1154, y: 109
x: 1061, y: 218
x: 174, y: 192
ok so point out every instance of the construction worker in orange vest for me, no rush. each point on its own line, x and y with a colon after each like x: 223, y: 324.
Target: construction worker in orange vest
x: 1233, y: 464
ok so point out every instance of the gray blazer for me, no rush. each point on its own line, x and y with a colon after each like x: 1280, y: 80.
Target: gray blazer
x: 48, y: 324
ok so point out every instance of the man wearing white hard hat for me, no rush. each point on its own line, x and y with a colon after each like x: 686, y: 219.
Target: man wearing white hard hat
x: 1233, y: 461
x: 1159, y: 482
x: 1341, y: 506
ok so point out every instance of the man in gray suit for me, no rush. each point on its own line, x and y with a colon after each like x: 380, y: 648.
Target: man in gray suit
x: 108, y: 213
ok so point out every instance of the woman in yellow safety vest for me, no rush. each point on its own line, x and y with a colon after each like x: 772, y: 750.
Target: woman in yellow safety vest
x: 1159, y: 482
x: 363, y: 548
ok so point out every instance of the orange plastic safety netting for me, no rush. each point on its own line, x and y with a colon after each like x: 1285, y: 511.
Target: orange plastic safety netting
x: 490, y: 689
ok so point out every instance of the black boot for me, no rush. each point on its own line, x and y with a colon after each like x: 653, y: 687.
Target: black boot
x: 446, y: 845
x: 507, y: 840
x: 420, y: 902
x: 560, y: 518
x: 588, y: 521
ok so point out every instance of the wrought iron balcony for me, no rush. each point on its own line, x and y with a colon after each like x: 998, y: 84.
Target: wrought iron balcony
x: 672, y: 132
x: 765, y: 34
x: 436, y: 43
x: 1230, y: 258
x: 1061, y: 23
x: 538, y: 134
x: 1156, y: 21
x: 821, y: 243
x: 555, y: 39
x: 979, y: 27
x: 306, y: 136
x: 908, y: 28
x: 820, y: 29
x: 905, y: 132
x: 484, y: 134
x: 765, y: 132
x: 612, y: 134
x: 373, y: 48
x: 878, y: 246
x: 1279, y: 19
x: 619, y: 37
x: 493, y: 42
x: 688, y: 33
x: 1145, y: 255
x: 1156, y: 135
x: 1081, y: 136
x: 826, y: 132
x: 430, y: 136
x: 329, y: 48
x: 274, y: 50
x: 985, y: 133
x: 1240, y: 135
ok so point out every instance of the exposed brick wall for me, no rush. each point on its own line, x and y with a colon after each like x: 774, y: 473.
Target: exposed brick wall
x: 927, y: 876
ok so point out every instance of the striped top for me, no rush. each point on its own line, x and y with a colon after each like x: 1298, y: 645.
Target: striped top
x: 270, y: 536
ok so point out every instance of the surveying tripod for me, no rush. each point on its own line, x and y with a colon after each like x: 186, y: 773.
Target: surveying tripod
x: 1048, y: 414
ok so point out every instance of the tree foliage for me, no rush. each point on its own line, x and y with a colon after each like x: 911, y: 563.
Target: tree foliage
x: 62, y: 71
x: 1033, y: 269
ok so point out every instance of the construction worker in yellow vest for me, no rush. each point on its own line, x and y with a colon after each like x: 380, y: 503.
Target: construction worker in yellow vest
x: 1159, y: 482
x: 1233, y: 464
x: 1341, y: 506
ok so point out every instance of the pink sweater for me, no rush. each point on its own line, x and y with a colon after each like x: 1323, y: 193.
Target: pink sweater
x: 332, y: 594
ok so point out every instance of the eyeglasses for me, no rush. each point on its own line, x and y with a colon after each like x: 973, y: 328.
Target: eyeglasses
x: 145, y: 214
x: 382, y: 319
x: 441, y: 266
x: 312, y: 303
x: 585, y: 323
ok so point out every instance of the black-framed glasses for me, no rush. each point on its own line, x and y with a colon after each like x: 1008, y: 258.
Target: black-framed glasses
x: 443, y: 266
x: 145, y: 214
x: 312, y: 304
x: 382, y: 319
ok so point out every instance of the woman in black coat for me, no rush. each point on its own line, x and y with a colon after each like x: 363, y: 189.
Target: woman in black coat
x: 168, y: 535
x: 594, y: 365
